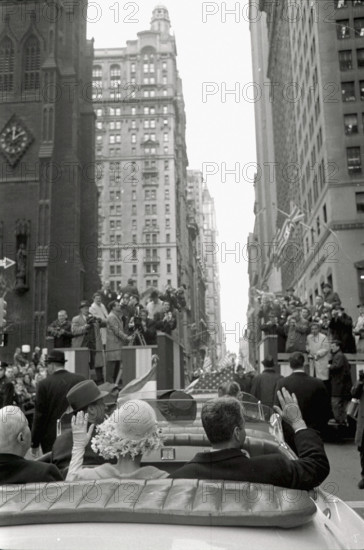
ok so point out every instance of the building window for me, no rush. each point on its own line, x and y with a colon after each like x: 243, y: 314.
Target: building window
x: 167, y: 209
x: 134, y: 225
x: 348, y: 91
x: 32, y: 64
x: 133, y: 138
x: 168, y: 252
x: 359, y: 197
x: 115, y: 76
x: 166, y: 194
x: 354, y: 160
x: 168, y: 238
x: 154, y: 238
x: 6, y: 65
x: 133, y: 111
x: 165, y: 137
x: 318, y: 228
x: 168, y: 268
x: 168, y: 223
x: 346, y: 60
x: 324, y: 213
x: 351, y: 124
x: 97, y: 73
x: 134, y: 268
x: 359, y: 26
x: 148, y: 282
x: 343, y: 29
x: 165, y: 109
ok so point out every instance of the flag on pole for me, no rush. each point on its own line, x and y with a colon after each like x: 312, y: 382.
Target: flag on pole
x: 210, y: 381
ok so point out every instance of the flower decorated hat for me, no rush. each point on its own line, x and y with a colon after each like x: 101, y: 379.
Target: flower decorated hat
x: 130, y: 431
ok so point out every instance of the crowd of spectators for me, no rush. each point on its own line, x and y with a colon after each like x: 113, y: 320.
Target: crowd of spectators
x: 292, y: 320
x: 19, y: 380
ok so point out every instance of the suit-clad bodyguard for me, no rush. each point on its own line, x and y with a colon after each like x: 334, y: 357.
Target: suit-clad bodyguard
x: 116, y: 339
x: 86, y: 334
x: 51, y: 401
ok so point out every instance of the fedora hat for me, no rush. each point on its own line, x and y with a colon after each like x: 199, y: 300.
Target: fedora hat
x: 83, y: 394
x: 84, y: 303
x: 268, y: 361
x: 56, y: 356
x: 177, y: 405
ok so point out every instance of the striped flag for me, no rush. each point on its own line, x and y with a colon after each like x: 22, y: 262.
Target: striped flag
x: 139, y: 371
x: 210, y: 381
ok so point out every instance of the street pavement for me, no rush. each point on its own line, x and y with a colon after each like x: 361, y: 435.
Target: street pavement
x: 345, y: 474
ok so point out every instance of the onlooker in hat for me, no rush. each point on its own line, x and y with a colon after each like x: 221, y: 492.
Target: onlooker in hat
x: 14, y: 445
x: 311, y: 394
x: 341, y: 328
x: 116, y: 339
x: 107, y: 295
x: 331, y: 298
x: 155, y: 305
x: 118, y: 438
x: 86, y: 334
x: 318, y: 349
x: 51, y: 401
x: 177, y: 405
x: 264, y: 384
x: 292, y: 298
x: 359, y: 330
x: 89, y: 398
x: 125, y: 310
x: 130, y: 288
x: 340, y: 378
x: 297, y: 332
x: 61, y: 331
x: 19, y: 359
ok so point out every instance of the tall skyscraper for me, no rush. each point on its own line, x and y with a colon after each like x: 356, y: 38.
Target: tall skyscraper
x: 316, y: 75
x: 142, y: 160
x: 48, y: 196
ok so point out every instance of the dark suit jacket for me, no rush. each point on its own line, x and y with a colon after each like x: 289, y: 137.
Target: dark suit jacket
x: 50, y: 404
x: 307, y: 472
x: 15, y: 469
x: 62, y: 451
x: 312, y: 398
x: 264, y: 386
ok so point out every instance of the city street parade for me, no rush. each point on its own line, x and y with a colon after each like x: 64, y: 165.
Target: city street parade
x: 182, y: 274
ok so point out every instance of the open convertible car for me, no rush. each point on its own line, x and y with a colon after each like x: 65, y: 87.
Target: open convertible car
x: 180, y: 514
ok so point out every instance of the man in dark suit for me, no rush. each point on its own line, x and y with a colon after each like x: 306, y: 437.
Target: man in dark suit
x: 264, y: 384
x: 51, y: 402
x: 311, y: 394
x: 14, y: 444
x: 107, y: 295
x: 85, y: 396
x: 223, y: 422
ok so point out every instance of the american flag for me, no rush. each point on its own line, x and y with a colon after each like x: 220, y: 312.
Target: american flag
x: 209, y: 382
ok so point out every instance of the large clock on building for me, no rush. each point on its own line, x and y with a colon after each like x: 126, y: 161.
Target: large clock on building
x: 15, y: 139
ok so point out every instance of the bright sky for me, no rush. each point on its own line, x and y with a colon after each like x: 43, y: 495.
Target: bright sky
x: 211, y: 49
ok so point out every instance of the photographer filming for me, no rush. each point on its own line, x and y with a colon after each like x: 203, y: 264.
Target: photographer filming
x: 165, y: 321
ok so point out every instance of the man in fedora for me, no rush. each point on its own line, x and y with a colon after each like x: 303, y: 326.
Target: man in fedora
x: 51, y: 402
x: 264, y: 384
x: 85, y: 396
x: 331, y: 298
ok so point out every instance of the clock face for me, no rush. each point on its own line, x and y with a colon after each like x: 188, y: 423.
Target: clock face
x: 15, y: 138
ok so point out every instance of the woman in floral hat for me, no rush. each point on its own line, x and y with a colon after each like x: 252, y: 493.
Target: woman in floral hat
x: 131, y: 431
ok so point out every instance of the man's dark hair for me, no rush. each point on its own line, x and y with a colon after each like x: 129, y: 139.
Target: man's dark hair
x: 230, y: 389
x: 154, y: 294
x: 297, y: 360
x: 220, y: 417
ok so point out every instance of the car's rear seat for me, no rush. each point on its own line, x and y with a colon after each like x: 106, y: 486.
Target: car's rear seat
x: 180, y: 501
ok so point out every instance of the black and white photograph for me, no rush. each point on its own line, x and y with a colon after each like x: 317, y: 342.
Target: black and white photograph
x: 182, y: 274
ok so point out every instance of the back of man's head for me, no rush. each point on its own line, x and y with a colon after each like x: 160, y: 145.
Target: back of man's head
x: 296, y: 360
x: 230, y: 389
x: 220, y: 417
x: 14, y: 431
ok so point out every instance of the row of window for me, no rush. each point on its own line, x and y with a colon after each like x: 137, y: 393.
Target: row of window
x: 117, y: 95
x: 346, y: 59
x: 30, y: 64
x: 115, y: 69
x: 345, y: 30
x: 116, y: 111
x: 116, y: 125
